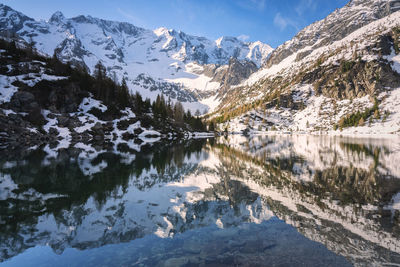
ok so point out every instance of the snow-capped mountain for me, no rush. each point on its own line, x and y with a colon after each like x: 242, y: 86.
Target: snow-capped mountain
x: 340, y: 72
x: 163, y: 55
x: 336, y: 26
x: 340, y: 69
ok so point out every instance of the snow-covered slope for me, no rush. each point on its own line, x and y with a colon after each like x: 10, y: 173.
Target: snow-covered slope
x: 331, y: 70
x: 357, y: 36
x: 129, y: 51
x: 334, y: 27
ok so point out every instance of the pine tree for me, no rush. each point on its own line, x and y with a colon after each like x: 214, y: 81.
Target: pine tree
x: 100, y: 76
x: 13, y: 48
x: 99, y: 71
x: 31, y: 46
x: 138, y: 102
x: 147, y: 105
x: 156, y: 106
x: 123, y: 95
x: 163, y: 107
x: 178, y: 112
x: 170, y: 111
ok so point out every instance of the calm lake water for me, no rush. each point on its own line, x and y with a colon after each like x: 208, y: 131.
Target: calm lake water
x: 261, y: 201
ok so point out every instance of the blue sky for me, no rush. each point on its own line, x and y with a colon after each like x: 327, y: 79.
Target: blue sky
x: 270, y: 21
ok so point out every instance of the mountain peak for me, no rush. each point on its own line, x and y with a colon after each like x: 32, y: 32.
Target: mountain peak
x: 11, y: 19
x: 4, y: 7
x: 58, y: 16
x: 260, y: 44
x: 161, y: 31
x: 6, y: 10
x: 226, y: 39
x: 125, y: 48
x: 337, y: 25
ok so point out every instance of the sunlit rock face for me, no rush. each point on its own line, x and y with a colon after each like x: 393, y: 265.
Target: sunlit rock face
x: 340, y: 192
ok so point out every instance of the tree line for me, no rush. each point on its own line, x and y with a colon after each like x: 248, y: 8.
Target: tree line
x: 114, y: 94
x: 117, y: 96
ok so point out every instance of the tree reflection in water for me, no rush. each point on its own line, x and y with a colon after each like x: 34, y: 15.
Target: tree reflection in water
x: 341, y: 192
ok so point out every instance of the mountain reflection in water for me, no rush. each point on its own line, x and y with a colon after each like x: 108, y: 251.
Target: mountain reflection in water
x: 283, y: 200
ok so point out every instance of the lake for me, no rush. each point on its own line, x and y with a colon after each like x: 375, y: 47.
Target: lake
x: 284, y: 200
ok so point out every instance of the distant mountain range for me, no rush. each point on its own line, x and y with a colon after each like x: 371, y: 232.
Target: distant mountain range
x: 340, y: 74
x: 163, y: 55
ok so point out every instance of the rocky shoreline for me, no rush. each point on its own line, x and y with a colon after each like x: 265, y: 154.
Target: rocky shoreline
x: 68, y: 129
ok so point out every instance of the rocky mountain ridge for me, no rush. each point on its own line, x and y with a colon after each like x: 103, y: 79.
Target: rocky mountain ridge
x: 336, y: 26
x: 320, y: 82
x: 340, y: 73
x: 129, y: 51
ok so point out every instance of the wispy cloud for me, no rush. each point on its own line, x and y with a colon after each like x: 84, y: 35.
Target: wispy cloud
x: 305, y: 5
x: 243, y: 37
x: 283, y: 22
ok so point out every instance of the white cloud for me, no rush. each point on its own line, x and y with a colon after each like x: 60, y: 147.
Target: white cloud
x: 305, y: 5
x: 283, y: 22
x: 243, y: 37
x: 280, y: 21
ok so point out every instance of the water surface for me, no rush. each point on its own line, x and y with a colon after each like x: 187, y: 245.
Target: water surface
x: 260, y: 201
